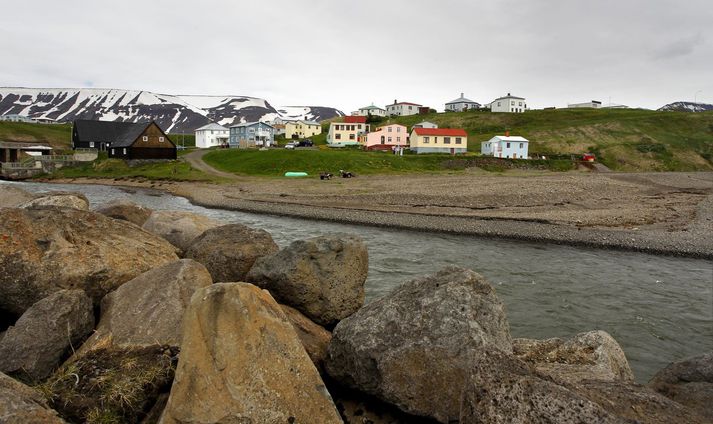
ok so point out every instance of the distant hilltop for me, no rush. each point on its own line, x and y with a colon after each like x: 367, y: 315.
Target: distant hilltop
x: 687, y: 107
x: 173, y: 113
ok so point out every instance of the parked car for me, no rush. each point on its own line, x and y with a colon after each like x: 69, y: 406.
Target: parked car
x: 588, y: 157
x: 291, y: 145
x: 305, y: 143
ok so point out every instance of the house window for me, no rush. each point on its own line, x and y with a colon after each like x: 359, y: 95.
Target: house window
x: 398, y: 139
x: 382, y: 139
x: 338, y: 136
x: 521, y: 145
x: 390, y: 129
x: 351, y: 136
x: 435, y: 139
x: 112, y: 152
x: 160, y: 139
x: 124, y: 150
x: 145, y: 138
x: 512, y: 102
x: 507, y: 145
x: 498, y: 104
x: 519, y: 103
x: 398, y: 129
x: 446, y: 140
x: 389, y: 139
x: 91, y: 144
x: 426, y: 140
x: 458, y: 140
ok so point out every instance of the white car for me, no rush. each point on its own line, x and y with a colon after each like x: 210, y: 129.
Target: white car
x: 291, y: 145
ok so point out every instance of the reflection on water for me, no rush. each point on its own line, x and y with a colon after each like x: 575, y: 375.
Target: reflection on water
x: 660, y: 309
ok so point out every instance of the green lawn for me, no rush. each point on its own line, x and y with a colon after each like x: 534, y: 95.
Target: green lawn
x: 59, y: 136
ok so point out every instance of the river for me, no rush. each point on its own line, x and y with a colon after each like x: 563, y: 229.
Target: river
x: 660, y: 309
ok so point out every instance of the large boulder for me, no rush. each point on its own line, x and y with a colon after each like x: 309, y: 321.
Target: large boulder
x: 20, y: 404
x: 314, y: 338
x: 59, y: 199
x: 229, y: 251
x: 126, y: 211
x: 12, y: 196
x: 149, y: 309
x: 689, y: 382
x: 323, y: 277
x: 48, y: 249
x: 45, y: 334
x: 180, y: 228
x: 241, y: 362
x: 594, y: 355
x: 413, y: 347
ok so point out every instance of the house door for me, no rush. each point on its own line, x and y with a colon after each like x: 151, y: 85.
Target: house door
x: 453, y: 151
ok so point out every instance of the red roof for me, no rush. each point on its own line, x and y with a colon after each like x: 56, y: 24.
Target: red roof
x: 447, y: 132
x: 355, y: 119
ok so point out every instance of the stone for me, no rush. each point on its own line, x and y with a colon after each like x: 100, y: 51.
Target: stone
x: 594, y: 355
x: 20, y: 404
x: 229, y: 251
x: 314, y: 338
x: 48, y: 249
x: 414, y: 346
x: 45, y: 334
x: 60, y: 199
x: 179, y: 228
x: 241, y: 362
x: 126, y: 211
x: 149, y: 309
x: 12, y: 196
x: 688, y: 382
x: 322, y: 277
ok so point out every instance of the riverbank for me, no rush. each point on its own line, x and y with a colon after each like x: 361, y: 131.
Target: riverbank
x: 659, y: 213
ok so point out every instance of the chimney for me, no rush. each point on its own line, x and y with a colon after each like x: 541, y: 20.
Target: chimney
x: 395, y: 101
x: 508, y: 94
x: 461, y: 95
x: 507, y: 133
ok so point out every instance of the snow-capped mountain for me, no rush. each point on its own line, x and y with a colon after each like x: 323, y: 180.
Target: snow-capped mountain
x: 687, y: 107
x: 174, y: 114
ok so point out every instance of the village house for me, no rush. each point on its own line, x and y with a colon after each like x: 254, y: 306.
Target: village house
x: 461, y: 104
x: 252, y: 134
x: 349, y: 132
x: 507, y: 146
x: 594, y: 104
x: 387, y: 137
x: 212, y: 135
x: 16, y: 118
x: 371, y: 110
x: 438, y: 140
x: 402, y: 109
x: 123, y: 140
x: 302, y: 129
x: 509, y: 104
x: 425, y: 124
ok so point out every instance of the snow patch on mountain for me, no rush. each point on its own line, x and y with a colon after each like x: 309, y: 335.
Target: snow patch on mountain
x: 687, y: 107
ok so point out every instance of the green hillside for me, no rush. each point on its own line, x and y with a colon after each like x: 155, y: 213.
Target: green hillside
x: 59, y: 136
x: 623, y: 139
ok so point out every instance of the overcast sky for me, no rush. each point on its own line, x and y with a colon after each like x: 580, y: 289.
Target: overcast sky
x: 349, y: 54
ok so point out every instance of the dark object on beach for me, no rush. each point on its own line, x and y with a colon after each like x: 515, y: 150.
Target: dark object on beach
x: 346, y: 174
x: 325, y: 176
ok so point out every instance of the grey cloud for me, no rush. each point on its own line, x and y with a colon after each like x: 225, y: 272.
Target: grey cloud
x: 681, y: 47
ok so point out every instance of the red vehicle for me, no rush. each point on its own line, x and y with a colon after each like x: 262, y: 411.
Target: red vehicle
x: 588, y: 157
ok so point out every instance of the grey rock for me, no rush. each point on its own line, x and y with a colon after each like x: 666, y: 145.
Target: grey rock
x: 126, y: 211
x: 59, y: 199
x: 689, y: 382
x: 48, y: 249
x: 229, y: 251
x: 12, y: 197
x: 45, y: 334
x: 178, y: 227
x: 322, y: 277
x: 413, y: 347
x: 20, y: 404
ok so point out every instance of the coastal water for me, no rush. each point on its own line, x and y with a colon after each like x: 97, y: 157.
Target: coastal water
x: 660, y: 309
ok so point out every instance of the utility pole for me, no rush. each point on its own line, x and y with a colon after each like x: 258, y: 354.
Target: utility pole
x: 695, y: 97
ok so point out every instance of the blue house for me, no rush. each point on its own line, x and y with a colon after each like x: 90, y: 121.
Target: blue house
x: 252, y: 134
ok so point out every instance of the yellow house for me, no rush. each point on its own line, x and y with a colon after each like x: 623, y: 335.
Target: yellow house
x: 302, y: 129
x: 438, y: 140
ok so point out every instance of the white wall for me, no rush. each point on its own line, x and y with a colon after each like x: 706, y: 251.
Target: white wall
x: 204, y: 139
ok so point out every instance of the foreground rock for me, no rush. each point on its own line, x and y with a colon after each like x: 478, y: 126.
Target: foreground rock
x: 179, y: 227
x: 149, y: 309
x: 587, y: 356
x: 241, y: 361
x: 414, y: 346
x: 323, y: 277
x: 12, y: 197
x: 49, y: 249
x: 689, y: 382
x: 314, y: 338
x: 229, y: 251
x: 45, y: 334
x: 20, y: 404
x: 126, y: 211
x: 59, y: 199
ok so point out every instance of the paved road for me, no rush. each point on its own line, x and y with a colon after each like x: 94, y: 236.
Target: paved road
x: 195, y: 159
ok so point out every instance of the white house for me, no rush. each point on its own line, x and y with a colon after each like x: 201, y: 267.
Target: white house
x: 402, y: 109
x: 425, y: 124
x: 594, y: 104
x: 371, y: 110
x: 509, y: 104
x: 460, y: 104
x: 505, y: 146
x: 211, y: 135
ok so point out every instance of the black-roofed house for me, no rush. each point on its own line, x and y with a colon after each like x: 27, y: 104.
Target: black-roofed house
x: 123, y: 140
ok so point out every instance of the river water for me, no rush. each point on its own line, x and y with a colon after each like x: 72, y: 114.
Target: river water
x: 660, y: 309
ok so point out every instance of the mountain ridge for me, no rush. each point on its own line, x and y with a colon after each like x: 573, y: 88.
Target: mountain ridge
x: 683, y: 106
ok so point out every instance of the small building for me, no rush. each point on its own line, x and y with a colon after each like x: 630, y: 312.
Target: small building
x: 461, y: 104
x: 509, y: 104
x: 438, y: 140
x: 11, y: 151
x: 123, y: 140
x: 16, y: 118
x: 505, y: 146
x: 425, y: 124
x: 594, y: 104
x: 402, y: 109
x: 212, y: 135
x: 371, y: 110
x: 347, y: 133
x: 252, y: 134
x: 387, y: 137
x: 302, y: 129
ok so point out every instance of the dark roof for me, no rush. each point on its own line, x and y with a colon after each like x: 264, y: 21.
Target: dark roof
x: 119, y: 134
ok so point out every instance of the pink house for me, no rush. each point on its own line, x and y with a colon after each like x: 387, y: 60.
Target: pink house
x: 386, y: 137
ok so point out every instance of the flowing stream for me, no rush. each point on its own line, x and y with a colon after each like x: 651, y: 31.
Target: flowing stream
x: 660, y: 309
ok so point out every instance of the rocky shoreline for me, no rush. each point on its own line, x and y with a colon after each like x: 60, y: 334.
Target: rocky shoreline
x: 124, y: 314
